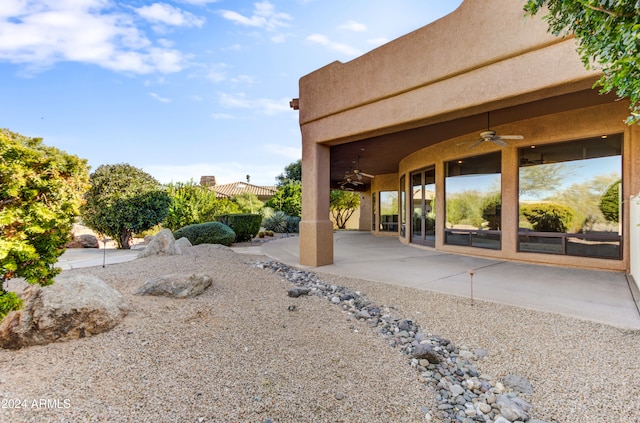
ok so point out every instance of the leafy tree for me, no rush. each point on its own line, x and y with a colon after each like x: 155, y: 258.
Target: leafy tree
x: 293, y: 172
x: 41, y: 189
x: 288, y: 198
x: 248, y: 202
x: 608, y: 36
x: 342, y: 205
x: 193, y: 203
x: 610, y: 202
x: 539, y: 180
x: 123, y: 200
x: 465, y: 208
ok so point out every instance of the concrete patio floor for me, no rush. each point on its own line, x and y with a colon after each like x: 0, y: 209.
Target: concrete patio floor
x: 606, y: 297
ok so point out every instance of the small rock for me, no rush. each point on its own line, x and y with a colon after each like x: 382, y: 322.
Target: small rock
x: 298, y: 291
x: 518, y: 384
x: 339, y: 396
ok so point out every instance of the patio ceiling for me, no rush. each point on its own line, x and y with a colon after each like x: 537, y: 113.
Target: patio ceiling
x: 381, y: 154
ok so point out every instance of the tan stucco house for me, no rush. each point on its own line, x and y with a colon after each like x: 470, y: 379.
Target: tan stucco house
x: 411, y: 112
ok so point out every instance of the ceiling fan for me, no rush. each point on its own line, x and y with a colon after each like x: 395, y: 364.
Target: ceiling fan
x: 491, y: 136
x: 359, y: 173
x: 349, y: 180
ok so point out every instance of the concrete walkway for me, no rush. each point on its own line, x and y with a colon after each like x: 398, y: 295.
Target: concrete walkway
x: 599, y: 296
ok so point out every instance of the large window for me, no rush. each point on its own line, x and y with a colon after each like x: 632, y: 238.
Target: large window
x: 570, y: 198
x: 423, y: 206
x: 473, y: 201
x: 389, y: 211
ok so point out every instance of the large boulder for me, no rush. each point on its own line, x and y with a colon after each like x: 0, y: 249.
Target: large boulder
x: 176, y: 286
x: 87, y: 241
x: 75, y: 306
x: 162, y: 244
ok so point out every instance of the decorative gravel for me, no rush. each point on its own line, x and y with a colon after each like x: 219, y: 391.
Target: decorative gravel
x: 244, y: 351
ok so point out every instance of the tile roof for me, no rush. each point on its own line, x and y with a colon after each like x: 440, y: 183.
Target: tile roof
x: 236, y: 188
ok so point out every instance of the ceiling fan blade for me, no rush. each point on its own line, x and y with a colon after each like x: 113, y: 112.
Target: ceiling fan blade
x: 511, y: 137
x: 477, y: 143
x: 498, y: 141
x: 367, y: 175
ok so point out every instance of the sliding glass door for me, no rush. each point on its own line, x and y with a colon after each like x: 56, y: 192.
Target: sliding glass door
x: 423, y: 207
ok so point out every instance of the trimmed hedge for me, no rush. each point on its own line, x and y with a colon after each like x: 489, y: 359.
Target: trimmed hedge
x: 246, y: 226
x: 207, y: 233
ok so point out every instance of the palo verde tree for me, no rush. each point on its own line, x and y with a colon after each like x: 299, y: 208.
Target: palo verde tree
x: 123, y: 200
x: 608, y: 36
x: 41, y: 190
x: 342, y: 205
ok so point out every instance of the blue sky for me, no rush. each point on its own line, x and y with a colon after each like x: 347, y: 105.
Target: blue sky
x: 182, y: 88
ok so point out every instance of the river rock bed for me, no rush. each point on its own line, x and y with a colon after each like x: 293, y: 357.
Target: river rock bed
x: 463, y: 394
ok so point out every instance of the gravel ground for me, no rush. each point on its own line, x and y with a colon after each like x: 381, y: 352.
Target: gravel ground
x: 237, y: 354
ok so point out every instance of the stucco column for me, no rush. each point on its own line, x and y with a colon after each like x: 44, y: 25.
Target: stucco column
x: 316, y: 229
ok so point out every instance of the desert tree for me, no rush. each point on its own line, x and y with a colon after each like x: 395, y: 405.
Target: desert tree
x: 123, y: 200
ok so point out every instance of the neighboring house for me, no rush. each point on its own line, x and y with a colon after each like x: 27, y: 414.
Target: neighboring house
x: 263, y: 193
x: 419, y: 113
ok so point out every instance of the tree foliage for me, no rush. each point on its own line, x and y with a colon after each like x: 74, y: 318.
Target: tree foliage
x: 292, y: 173
x: 248, y: 202
x: 123, y: 200
x: 610, y: 202
x: 608, y: 36
x: 541, y: 180
x: 288, y: 198
x: 193, y: 203
x: 41, y: 189
x: 342, y: 205
x: 548, y: 217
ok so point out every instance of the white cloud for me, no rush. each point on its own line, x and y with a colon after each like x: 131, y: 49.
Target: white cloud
x: 263, y: 106
x: 40, y: 34
x: 353, y: 26
x: 217, y: 72
x: 198, y: 2
x: 331, y: 45
x: 160, y: 99
x: 264, y: 16
x: 166, y: 14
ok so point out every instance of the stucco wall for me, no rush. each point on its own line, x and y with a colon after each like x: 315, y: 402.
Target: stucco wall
x: 464, y: 60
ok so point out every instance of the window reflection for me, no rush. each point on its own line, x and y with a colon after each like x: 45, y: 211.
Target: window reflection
x: 389, y: 211
x: 473, y: 201
x: 569, y: 198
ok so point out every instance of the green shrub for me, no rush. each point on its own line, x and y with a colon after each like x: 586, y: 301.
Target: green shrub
x: 491, y: 211
x: 610, y: 202
x: 277, y: 222
x: 246, y: 226
x: 207, y: 233
x: 9, y: 301
x: 548, y: 217
x: 293, y: 224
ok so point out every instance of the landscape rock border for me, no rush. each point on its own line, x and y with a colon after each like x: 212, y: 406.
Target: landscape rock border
x: 462, y: 393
